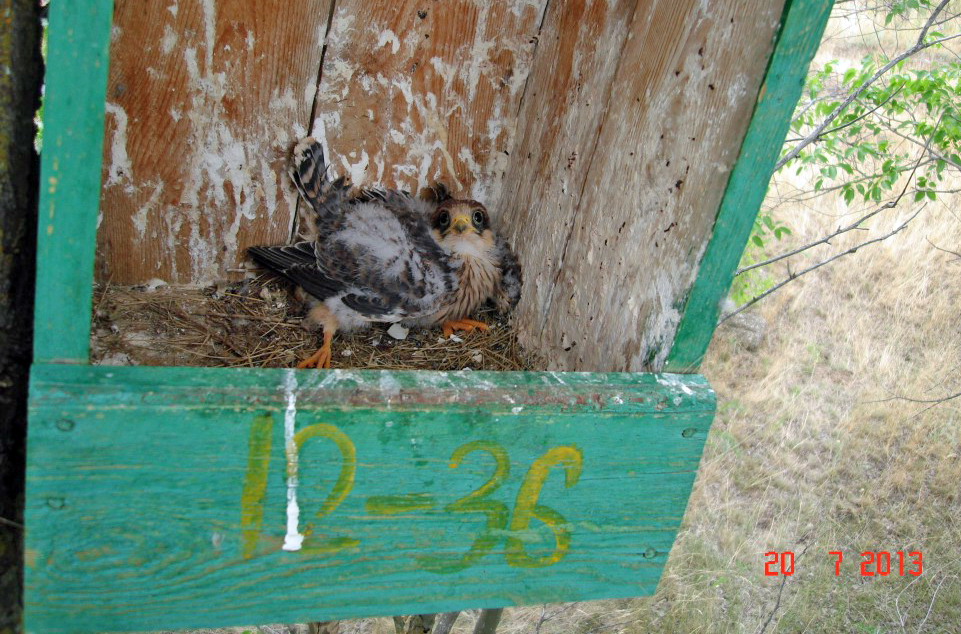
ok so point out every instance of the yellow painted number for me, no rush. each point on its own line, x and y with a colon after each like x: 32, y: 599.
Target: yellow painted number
x: 477, y: 502
x: 527, y: 508
x: 345, y: 482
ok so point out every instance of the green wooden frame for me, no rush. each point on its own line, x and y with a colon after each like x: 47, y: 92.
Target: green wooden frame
x: 188, y: 497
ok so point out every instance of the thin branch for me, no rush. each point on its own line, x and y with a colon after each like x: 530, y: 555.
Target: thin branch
x: 931, y: 605
x: 794, y: 276
x: 943, y: 399
x: 943, y: 250
x: 826, y: 240
x: 934, y: 153
x: 777, y: 604
x: 897, y: 607
x: 860, y: 117
x: 919, y: 45
x: 4, y: 520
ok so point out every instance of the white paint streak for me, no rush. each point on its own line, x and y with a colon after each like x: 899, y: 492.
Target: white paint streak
x: 293, y: 540
x: 388, y: 36
x: 478, y: 58
x: 169, y: 40
x: 358, y: 170
x: 141, y: 216
x: 210, y: 25
x: 121, y: 169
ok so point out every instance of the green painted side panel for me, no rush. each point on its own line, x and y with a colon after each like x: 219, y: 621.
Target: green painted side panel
x: 801, y: 31
x: 76, y: 86
x: 164, y: 497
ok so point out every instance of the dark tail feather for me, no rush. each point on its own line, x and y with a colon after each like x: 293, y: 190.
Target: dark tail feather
x: 308, y: 170
x: 298, y: 264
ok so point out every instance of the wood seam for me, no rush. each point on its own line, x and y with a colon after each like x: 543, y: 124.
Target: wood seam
x: 313, y: 113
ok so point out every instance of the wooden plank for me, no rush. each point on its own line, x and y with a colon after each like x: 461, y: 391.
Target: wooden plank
x: 678, y: 107
x: 417, y: 92
x: 205, y: 100
x: 165, y: 497
x: 564, y: 106
x: 76, y: 79
x: 803, y: 26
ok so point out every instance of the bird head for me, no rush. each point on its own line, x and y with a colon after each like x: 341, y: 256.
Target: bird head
x: 462, y: 227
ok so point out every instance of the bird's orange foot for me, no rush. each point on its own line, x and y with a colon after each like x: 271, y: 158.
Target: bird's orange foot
x: 468, y: 325
x: 321, y: 358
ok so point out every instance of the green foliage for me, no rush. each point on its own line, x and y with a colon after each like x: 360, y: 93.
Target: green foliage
x: 869, y: 146
x: 881, y: 134
x: 753, y: 283
x: 38, y: 117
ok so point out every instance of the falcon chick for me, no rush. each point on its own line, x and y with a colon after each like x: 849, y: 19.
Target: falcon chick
x: 385, y: 256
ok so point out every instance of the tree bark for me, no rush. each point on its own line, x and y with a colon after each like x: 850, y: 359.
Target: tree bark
x: 20, y: 83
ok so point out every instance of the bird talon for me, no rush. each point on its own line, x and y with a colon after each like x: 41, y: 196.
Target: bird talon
x: 467, y: 325
x: 321, y: 358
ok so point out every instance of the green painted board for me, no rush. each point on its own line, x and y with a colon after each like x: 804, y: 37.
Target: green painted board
x: 165, y: 497
x: 75, y: 92
x: 801, y: 29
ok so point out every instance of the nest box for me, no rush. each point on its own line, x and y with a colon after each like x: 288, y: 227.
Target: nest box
x: 623, y: 147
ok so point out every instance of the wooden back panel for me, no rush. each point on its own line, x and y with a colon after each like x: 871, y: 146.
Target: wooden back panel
x: 615, y: 190
x: 205, y: 100
x: 601, y: 135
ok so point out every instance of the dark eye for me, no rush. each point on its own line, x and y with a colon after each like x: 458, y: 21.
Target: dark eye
x: 478, y: 218
x: 443, y: 219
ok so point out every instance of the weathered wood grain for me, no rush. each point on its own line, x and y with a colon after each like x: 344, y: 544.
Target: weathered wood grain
x: 417, y: 92
x: 800, y: 36
x: 680, y: 100
x: 564, y: 106
x: 163, y: 497
x: 76, y: 78
x: 205, y: 99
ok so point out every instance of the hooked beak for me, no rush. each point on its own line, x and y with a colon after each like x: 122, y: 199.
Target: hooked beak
x: 460, y: 223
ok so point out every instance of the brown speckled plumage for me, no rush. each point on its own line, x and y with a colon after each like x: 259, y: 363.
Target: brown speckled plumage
x: 386, y: 256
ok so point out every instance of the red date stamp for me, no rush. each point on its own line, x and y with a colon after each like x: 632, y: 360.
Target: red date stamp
x: 880, y: 563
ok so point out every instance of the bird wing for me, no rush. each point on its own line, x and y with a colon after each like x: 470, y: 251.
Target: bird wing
x: 381, y: 262
x: 298, y: 263
x: 508, y: 289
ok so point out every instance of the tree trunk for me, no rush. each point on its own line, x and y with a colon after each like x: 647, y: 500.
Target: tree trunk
x: 19, y: 170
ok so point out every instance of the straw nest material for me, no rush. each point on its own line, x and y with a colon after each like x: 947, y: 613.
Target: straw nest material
x: 257, y: 323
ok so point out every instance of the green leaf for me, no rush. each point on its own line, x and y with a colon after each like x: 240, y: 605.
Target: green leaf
x: 848, y: 195
x: 918, y: 195
x: 756, y: 239
x: 932, y: 195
